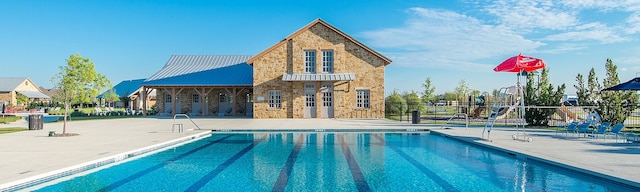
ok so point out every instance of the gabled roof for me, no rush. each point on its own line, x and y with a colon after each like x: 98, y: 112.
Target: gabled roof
x: 125, y: 88
x: 322, y: 22
x: 203, y: 70
x: 11, y: 83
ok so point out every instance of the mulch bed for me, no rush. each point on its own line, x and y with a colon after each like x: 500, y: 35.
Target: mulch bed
x: 64, y: 134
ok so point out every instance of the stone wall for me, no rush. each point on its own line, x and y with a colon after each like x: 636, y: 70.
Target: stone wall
x: 288, y: 57
x: 8, y: 98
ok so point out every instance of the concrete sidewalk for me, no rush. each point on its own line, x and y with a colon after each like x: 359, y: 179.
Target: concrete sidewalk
x: 30, y: 153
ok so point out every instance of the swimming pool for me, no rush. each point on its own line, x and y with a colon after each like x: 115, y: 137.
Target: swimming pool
x: 331, y: 161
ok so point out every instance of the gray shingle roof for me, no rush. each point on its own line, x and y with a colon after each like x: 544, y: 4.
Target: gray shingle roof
x: 10, y: 83
x: 203, y: 70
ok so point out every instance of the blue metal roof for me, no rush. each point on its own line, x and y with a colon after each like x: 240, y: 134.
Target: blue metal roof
x: 125, y: 88
x: 203, y: 70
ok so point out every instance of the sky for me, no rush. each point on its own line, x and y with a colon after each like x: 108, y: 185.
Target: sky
x: 448, y: 41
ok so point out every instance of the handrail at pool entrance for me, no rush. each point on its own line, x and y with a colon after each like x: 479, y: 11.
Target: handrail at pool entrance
x: 187, y: 116
x: 466, y: 120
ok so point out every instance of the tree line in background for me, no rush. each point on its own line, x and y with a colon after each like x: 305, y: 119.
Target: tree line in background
x: 612, y: 106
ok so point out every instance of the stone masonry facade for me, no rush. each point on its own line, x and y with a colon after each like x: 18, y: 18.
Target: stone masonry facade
x: 289, y: 57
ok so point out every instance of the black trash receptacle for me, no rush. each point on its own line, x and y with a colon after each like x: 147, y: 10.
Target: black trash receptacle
x: 35, y: 122
x: 415, y: 117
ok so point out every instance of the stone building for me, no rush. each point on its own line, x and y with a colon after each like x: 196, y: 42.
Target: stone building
x: 11, y: 87
x: 318, y: 72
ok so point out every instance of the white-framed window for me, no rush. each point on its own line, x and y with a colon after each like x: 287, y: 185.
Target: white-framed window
x: 327, y: 61
x: 362, y: 99
x: 275, y: 99
x: 309, y: 61
x: 195, y: 98
x: 167, y: 98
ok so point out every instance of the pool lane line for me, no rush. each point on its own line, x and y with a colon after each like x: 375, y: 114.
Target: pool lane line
x: 159, y: 165
x: 432, y: 175
x: 283, y: 178
x: 356, y: 172
x: 204, y: 180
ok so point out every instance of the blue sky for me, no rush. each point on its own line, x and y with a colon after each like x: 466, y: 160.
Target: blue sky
x: 445, y: 40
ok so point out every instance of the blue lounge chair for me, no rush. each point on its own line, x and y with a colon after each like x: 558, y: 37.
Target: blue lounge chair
x: 601, y: 130
x: 584, y: 128
x: 572, y: 127
x: 616, y: 130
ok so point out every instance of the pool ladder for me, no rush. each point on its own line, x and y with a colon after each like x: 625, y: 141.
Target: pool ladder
x: 179, y: 126
x: 466, y: 120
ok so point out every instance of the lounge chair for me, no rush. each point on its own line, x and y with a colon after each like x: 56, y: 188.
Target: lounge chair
x: 601, y: 130
x: 572, y: 127
x: 584, y: 128
x: 616, y: 130
x: 564, y: 127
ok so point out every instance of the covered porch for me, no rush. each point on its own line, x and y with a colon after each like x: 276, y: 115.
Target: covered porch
x: 201, y: 101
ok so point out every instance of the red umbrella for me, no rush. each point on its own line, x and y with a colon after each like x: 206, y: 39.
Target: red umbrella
x: 520, y: 63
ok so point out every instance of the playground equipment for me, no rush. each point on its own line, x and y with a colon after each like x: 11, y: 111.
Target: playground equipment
x: 566, y: 115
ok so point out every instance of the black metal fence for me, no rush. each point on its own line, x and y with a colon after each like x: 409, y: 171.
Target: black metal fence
x: 477, y: 114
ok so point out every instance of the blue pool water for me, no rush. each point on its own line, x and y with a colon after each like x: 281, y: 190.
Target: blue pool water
x: 324, y: 161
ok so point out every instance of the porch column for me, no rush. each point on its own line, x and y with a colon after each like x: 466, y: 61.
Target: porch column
x: 143, y: 95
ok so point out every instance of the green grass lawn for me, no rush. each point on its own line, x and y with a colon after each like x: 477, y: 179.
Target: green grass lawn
x: 9, y: 119
x: 11, y: 130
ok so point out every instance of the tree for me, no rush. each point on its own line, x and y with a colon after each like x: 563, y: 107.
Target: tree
x: 581, y: 90
x: 429, y: 91
x: 111, y: 96
x: 541, y: 94
x: 395, y: 104
x: 414, y: 102
x: 462, y: 90
x: 448, y: 96
x: 22, y: 99
x: 615, y: 106
x: 77, y: 82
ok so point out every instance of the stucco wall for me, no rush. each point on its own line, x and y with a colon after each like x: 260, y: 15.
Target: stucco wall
x: 288, y: 57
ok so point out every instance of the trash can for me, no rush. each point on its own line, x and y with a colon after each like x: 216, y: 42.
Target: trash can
x: 415, y: 117
x: 35, y: 122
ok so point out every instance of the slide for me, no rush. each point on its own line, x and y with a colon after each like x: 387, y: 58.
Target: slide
x: 477, y: 111
x: 504, y: 111
x: 565, y: 114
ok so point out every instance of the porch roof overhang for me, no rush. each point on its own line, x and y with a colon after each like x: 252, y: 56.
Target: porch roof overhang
x: 34, y: 94
x: 319, y: 77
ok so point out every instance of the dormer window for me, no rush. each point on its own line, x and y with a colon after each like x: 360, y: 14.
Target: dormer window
x: 310, y: 61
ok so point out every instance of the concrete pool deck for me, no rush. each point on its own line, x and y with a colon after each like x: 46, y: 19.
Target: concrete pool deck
x: 30, y: 153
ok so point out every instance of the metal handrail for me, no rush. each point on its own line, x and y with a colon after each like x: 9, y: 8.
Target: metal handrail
x: 466, y: 120
x: 187, y: 116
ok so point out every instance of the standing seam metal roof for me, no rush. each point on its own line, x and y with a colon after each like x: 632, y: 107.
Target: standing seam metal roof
x: 203, y: 70
x: 125, y: 88
x: 10, y: 83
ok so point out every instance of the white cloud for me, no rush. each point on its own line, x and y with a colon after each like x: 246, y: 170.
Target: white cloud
x: 531, y: 14
x: 633, y: 23
x: 440, y: 38
x: 591, y: 31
